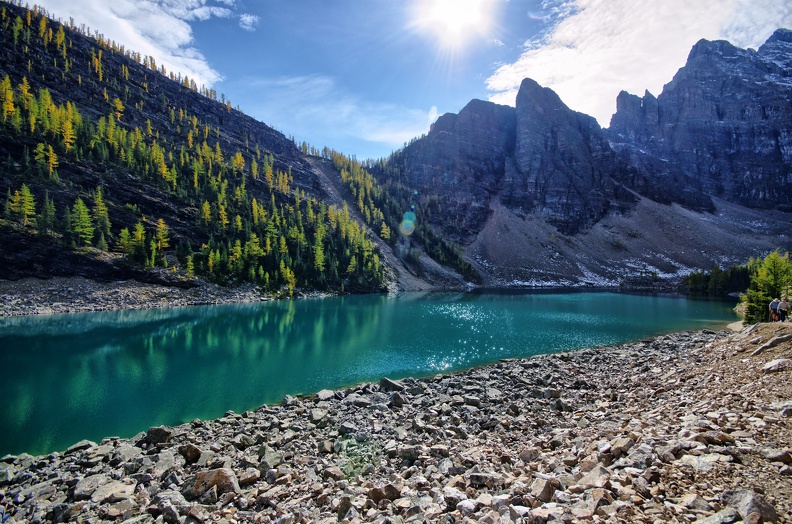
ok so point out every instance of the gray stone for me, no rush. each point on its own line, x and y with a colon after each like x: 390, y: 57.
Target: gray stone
x: 79, y: 446
x: 389, y: 385
x: 776, y: 455
x: 703, y: 463
x: 725, y: 516
x: 746, y: 502
x: 159, y: 434
x: 269, y: 457
x: 86, y: 486
x: 779, y: 364
x: 113, y: 492
x: 773, y: 342
x: 325, y: 395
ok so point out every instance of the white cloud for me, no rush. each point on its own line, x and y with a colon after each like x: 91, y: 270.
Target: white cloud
x: 596, y: 48
x: 316, y: 109
x: 156, y: 28
x: 248, y: 22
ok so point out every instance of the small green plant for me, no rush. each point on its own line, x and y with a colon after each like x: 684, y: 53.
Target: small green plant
x: 358, y: 457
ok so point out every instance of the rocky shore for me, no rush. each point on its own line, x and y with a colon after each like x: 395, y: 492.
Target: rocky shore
x: 688, y: 427
x: 33, y: 296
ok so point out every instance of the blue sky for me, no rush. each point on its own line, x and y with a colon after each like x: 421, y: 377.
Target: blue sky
x: 365, y: 76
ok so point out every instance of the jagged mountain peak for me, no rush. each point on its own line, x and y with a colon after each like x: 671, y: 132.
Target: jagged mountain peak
x: 719, y: 134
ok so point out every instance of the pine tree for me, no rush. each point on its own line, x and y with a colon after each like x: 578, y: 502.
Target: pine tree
x: 125, y: 241
x: 46, y: 220
x: 27, y: 206
x: 163, y: 240
x: 81, y: 223
x: 102, y: 244
x: 100, y: 213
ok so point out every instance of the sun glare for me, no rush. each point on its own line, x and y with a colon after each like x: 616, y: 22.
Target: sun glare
x: 454, y: 22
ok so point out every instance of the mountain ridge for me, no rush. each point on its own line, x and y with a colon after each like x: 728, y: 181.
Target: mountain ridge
x: 535, y: 194
x: 712, y: 143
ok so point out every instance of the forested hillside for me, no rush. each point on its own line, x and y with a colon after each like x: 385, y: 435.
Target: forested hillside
x: 104, y: 151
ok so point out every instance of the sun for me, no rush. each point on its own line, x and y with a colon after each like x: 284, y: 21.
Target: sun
x: 454, y: 23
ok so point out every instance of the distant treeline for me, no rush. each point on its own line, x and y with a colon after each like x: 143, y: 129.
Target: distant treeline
x: 758, y: 281
x: 720, y: 282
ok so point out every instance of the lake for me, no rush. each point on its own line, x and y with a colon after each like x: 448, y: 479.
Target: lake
x: 92, y: 375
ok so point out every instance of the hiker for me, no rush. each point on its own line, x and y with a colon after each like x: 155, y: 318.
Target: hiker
x: 774, y: 309
x: 783, y: 309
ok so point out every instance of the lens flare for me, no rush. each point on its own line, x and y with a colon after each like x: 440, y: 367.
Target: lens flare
x: 407, y: 227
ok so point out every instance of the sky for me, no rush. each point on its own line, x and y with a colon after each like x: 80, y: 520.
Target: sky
x: 366, y: 76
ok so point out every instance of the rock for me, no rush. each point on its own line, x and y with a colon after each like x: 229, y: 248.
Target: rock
x: 86, y: 486
x: 695, y: 501
x: 317, y: 415
x: 725, y: 516
x: 453, y: 497
x: 223, y: 480
x: 542, y: 489
x: 325, y: 395
x: 466, y: 507
x: 598, y: 477
x: 703, y: 463
x: 6, y: 474
x: 389, y: 385
x: 776, y: 455
x: 489, y: 480
x: 249, y: 476
x: 773, y: 342
x: 190, y: 452
x: 269, y: 458
x: 347, y: 428
x: 747, y: 502
x: 621, y: 446
x: 159, y: 435
x: 779, y: 364
x: 113, y: 492
x: 79, y: 446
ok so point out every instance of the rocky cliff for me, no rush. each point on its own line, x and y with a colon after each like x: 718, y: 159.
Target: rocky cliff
x: 539, y: 193
x: 563, y: 166
x: 722, y: 127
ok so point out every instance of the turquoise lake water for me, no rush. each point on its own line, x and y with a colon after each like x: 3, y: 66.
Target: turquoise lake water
x: 72, y: 377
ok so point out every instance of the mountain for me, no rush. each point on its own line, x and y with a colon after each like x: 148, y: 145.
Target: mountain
x: 113, y: 168
x: 696, y: 177
x: 721, y: 128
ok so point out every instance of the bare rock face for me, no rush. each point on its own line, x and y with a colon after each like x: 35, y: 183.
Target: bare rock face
x: 563, y: 165
x: 721, y: 127
x: 461, y: 161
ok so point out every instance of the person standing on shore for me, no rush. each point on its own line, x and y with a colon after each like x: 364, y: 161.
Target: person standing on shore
x: 774, y: 309
x: 783, y: 309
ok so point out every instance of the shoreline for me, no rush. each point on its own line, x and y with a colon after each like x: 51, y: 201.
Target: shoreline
x: 60, y: 295
x: 691, y: 426
x: 32, y: 296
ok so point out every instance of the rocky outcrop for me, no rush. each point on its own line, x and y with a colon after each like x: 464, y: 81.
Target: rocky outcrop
x: 690, y: 428
x: 563, y: 167
x: 722, y: 127
x: 460, y: 163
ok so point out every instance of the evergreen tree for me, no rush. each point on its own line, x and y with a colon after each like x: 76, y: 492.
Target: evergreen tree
x: 125, y: 241
x: 772, y: 278
x: 81, y: 223
x: 46, y: 220
x: 162, y: 240
x: 101, y: 216
x: 102, y: 244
